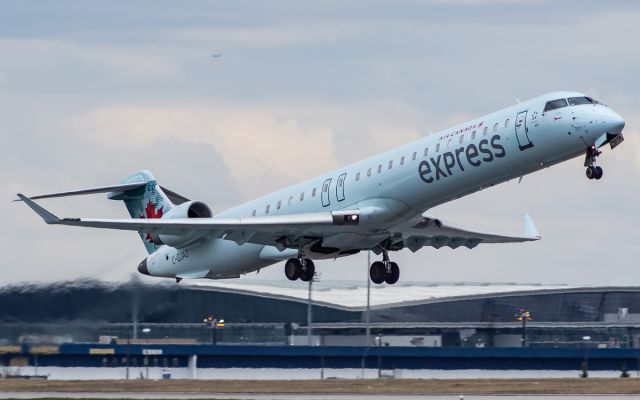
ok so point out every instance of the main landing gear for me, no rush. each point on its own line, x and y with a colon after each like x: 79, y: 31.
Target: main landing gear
x: 593, y: 171
x: 384, y: 271
x: 299, y: 268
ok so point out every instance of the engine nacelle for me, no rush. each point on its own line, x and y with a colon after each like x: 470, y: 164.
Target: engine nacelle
x: 190, y: 238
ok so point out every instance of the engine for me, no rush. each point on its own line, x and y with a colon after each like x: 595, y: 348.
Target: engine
x: 189, y: 238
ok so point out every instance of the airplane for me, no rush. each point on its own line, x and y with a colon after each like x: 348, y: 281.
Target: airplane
x: 380, y: 204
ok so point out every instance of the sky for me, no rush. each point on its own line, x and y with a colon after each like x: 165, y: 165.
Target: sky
x: 91, y: 91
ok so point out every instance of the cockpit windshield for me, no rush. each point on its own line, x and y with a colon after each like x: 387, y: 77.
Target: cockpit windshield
x: 574, y: 101
x: 553, y: 104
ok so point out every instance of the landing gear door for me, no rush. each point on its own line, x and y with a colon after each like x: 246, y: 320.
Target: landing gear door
x: 325, y: 192
x: 522, y: 132
x: 340, y: 187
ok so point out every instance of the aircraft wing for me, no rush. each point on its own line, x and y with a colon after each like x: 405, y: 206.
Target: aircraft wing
x: 285, y: 231
x: 430, y: 231
x: 260, y: 230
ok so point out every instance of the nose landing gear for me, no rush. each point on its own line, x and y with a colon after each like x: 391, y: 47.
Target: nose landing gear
x: 384, y: 271
x: 593, y: 171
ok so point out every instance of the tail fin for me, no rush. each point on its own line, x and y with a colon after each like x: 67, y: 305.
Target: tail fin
x: 148, y: 201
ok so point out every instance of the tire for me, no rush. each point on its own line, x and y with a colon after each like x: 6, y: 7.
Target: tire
x: 306, y: 274
x: 591, y: 172
x: 393, y: 275
x: 292, y: 269
x: 599, y: 172
x: 377, y: 272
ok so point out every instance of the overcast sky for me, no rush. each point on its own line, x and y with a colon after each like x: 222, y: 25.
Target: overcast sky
x: 91, y: 91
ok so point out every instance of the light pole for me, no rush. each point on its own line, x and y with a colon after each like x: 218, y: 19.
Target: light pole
x: 524, y: 316
x: 378, y: 345
x: 146, y: 332
x: 585, y: 362
x: 316, y: 278
x: 368, y: 311
x: 213, y: 323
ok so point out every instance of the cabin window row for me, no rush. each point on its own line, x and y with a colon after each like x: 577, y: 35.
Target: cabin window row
x: 390, y: 164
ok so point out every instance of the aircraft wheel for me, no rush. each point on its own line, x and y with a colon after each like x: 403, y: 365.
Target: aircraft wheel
x: 377, y: 272
x: 292, y: 269
x: 307, y: 271
x: 599, y: 172
x: 393, y: 274
x: 591, y: 172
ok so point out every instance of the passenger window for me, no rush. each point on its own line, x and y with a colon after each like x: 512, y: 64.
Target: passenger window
x: 485, y: 130
x: 253, y: 213
x: 390, y: 164
x: 302, y: 196
x: 495, y: 127
x: 369, y: 172
x: 414, y: 156
x: 461, y: 139
x: 278, y: 204
x: 438, y: 147
x: 266, y: 210
x: 313, y: 192
x: 358, y: 176
x: 506, y: 123
x: 379, y: 168
x: 554, y: 104
x: 402, y: 160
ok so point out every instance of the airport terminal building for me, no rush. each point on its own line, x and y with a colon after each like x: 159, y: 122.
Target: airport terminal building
x: 277, y: 313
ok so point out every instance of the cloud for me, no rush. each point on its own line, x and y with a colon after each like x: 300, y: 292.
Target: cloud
x: 41, y: 63
x: 280, y: 35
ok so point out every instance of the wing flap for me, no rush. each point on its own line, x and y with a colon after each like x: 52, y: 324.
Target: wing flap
x: 430, y: 231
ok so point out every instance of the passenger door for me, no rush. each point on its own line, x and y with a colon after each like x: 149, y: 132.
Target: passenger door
x: 340, y: 187
x: 522, y: 132
x: 325, y: 193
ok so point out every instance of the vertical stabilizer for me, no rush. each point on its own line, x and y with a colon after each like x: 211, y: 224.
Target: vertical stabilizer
x: 148, y: 201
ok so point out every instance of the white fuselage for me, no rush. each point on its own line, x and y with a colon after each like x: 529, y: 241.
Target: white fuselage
x: 404, y: 182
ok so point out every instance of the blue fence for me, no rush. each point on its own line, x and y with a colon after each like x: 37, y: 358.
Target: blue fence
x: 222, y: 356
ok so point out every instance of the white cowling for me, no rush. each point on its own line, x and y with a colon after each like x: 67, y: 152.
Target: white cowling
x: 190, y: 238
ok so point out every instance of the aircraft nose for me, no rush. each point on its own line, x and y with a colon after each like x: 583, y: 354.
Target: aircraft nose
x: 614, y: 122
x: 142, y: 267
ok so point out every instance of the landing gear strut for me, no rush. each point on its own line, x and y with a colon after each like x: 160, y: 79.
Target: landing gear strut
x: 299, y: 268
x: 384, y: 271
x: 593, y: 171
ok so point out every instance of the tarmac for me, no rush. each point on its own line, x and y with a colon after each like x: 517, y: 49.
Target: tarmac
x: 342, y: 389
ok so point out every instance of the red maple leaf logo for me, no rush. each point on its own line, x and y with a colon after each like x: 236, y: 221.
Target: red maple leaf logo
x: 150, y: 211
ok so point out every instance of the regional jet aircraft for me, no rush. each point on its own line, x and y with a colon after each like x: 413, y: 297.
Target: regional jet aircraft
x: 379, y: 204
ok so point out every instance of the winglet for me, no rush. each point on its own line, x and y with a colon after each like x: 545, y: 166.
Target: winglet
x: 46, y: 215
x: 529, y: 228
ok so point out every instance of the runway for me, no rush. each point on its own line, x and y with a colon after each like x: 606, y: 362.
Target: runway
x: 289, y: 396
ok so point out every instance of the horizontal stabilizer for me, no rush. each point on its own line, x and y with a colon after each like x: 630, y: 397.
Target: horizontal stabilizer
x: 175, y: 198
x: 46, y: 215
x: 101, y: 189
